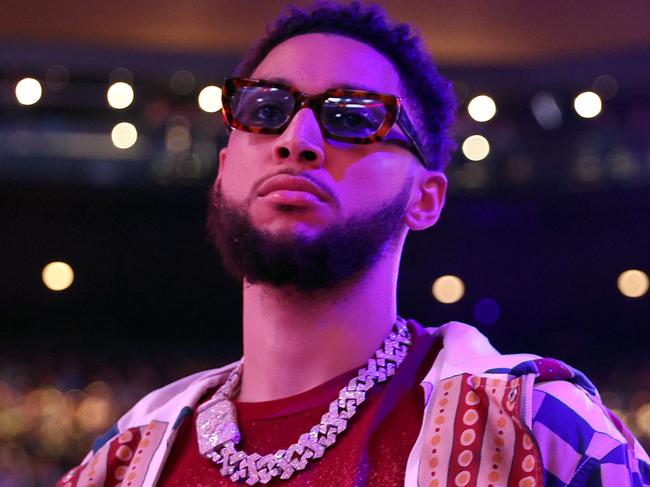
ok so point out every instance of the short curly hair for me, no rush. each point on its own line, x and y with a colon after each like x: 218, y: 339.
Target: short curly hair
x: 432, y: 94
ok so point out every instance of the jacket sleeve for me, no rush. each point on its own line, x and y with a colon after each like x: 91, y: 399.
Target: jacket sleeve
x: 582, y: 443
x: 617, y: 468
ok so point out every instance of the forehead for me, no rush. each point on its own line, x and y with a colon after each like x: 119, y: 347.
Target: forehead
x: 316, y: 62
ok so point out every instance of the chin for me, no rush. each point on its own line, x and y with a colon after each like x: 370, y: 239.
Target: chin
x: 289, y: 219
x: 291, y: 229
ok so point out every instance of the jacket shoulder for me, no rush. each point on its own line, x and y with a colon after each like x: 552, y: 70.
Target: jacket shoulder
x: 173, y: 397
x: 156, y: 416
x: 580, y: 440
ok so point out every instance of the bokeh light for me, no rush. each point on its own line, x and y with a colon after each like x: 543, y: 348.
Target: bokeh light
x: 57, y: 77
x: 606, y: 86
x: 471, y: 176
x: 482, y: 108
x: 190, y: 167
x: 633, y: 283
x: 448, y: 289
x: 28, y: 91
x: 210, y: 99
x: 642, y: 418
x: 623, y: 165
x: 121, y: 74
x: 182, y: 82
x: 589, y: 168
x: 124, y: 135
x: 487, y: 311
x: 546, y: 111
x: 588, y: 104
x: 519, y: 169
x: 57, y: 276
x: 120, y: 95
x: 178, y: 138
x: 93, y: 414
x: 476, y: 147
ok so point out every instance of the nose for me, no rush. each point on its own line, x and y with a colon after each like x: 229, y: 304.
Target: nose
x: 302, y: 141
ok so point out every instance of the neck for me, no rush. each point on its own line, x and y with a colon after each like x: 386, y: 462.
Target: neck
x: 295, y: 341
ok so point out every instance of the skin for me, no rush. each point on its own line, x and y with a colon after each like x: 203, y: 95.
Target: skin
x: 294, y: 341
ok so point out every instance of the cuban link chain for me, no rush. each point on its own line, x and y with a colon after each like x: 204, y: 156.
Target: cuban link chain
x: 218, y: 433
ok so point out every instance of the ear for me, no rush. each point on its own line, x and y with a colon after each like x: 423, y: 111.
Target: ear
x: 427, y: 199
x: 222, y: 162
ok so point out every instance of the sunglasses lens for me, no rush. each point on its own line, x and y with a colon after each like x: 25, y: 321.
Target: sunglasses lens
x: 261, y: 106
x: 351, y: 117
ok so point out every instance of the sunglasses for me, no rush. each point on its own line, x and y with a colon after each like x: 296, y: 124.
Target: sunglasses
x: 353, y: 116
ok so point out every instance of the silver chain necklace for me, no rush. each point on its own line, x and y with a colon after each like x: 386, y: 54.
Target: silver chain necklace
x: 217, y: 430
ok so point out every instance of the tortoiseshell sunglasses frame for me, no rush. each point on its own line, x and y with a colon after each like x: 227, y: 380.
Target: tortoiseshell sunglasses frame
x: 395, y: 113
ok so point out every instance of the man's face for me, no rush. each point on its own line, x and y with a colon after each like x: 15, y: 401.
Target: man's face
x: 355, y: 183
x: 355, y: 178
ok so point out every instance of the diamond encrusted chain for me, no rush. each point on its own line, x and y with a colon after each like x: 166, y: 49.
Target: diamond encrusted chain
x: 218, y: 433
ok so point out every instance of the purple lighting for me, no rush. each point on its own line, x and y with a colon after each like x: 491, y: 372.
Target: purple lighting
x: 486, y: 311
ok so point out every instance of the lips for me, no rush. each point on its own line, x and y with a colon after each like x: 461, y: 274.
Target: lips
x: 285, y: 184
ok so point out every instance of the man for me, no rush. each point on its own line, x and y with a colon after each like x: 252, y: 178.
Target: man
x: 339, y: 140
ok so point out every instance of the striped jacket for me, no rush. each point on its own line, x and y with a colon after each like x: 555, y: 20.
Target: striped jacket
x: 489, y: 420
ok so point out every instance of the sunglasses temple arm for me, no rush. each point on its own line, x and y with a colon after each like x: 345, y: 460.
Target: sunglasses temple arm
x: 407, y: 127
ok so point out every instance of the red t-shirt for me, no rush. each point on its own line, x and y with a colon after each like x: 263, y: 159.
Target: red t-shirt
x: 372, y: 451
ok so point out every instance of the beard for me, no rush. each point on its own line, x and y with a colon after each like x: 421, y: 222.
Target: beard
x: 336, y: 255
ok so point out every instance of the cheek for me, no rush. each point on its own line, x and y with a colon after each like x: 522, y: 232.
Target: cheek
x: 240, y: 168
x: 232, y: 182
x: 373, y: 181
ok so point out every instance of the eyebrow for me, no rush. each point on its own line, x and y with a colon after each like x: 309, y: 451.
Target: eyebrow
x: 345, y: 86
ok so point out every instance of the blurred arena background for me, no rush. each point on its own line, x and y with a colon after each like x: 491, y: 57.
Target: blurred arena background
x: 109, y: 131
